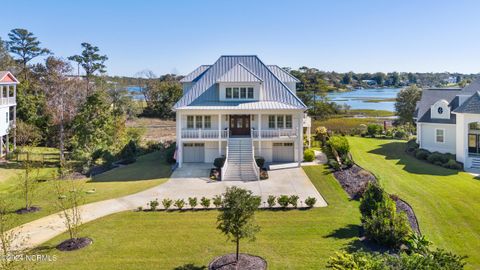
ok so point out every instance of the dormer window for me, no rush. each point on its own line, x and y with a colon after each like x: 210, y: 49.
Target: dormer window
x: 440, y: 110
x: 239, y: 93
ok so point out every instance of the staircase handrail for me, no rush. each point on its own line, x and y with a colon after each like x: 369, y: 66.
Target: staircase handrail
x: 225, y: 164
x: 255, y: 167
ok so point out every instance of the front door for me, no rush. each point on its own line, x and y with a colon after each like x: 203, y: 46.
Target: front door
x: 473, y: 143
x: 240, y: 124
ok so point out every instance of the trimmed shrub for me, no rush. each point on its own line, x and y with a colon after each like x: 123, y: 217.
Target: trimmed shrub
x: 218, y: 162
x: 205, y: 202
x: 260, y: 161
x: 400, y: 134
x: 340, y: 144
x: 180, y: 203
x: 374, y: 129
x: 192, y: 201
x: 310, y: 201
x: 293, y: 200
x: 308, y: 155
x: 452, y: 164
x: 385, y: 226
x: 271, y: 201
x: 371, y: 198
x: 283, y: 201
x: 422, y: 154
x: 167, y: 203
x: 169, y: 152
x: 348, y: 162
x: 437, y: 158
x: 153, y: 205
x: 217, y: 201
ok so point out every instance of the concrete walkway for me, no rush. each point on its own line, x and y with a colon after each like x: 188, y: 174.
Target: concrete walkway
x: 190, y: 181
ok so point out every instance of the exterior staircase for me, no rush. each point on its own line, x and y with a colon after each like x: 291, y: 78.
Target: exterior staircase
x: 241, y: 165
x: 476, y: 163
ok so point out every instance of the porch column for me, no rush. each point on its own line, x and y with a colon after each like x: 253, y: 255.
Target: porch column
x: 219, y: 134
x: 1, y: 146
x: 259, y: 116
x: 15, y: 127
x: 179, y: 139
x: 300, y: 139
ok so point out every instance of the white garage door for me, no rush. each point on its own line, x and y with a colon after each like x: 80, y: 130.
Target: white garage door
x: 193, y: 152
x: 283, y: 152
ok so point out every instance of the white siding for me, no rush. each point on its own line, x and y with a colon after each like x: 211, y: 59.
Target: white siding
x: 211, y: 151
x: 427, y: 138
x: 4, y: 120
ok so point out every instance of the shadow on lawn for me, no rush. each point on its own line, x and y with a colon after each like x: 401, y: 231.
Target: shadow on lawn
x: 396, y: 150
x: 359, y: 242
x: 190, y: 266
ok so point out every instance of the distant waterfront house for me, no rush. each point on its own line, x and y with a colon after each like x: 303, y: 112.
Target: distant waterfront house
x: 239, y: 108
x: 448, y: 121
x: 8, y: 105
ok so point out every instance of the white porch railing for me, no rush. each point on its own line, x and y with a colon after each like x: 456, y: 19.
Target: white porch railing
x: 7, y: 100
x: 225, y: 165
x: 274, y: 133
x: 204, y: 134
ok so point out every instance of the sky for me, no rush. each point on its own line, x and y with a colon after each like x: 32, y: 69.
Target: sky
x: 336, y: 35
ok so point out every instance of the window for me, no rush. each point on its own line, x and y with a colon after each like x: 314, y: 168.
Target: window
x: 198, y: 121
x: 207, y: 121
x: 280, y: 121
x: 243, y: 92
x: 239, y: 92
x: 440, y: 110
x: 439, y: 135
x: 288, y: 121
x: 235, y: 92
x: 271, y: 121
x: 250, y: 92
x: 190, y: 121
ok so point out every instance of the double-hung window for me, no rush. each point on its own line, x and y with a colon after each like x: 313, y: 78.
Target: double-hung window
x: 236, y: 93
x: 280, y: 123
x: 198, y: 121
x: 207, y: 121
x: 228, y: 92
x: 250, y: 92
x: 190, y: 121
x: 440, y: 135
x: 271, y: 121
x: 288, y: 121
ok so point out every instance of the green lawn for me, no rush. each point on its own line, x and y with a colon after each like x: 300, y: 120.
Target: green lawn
x: 293, y: 239
x: 149, y: 170
x: 446, y: 202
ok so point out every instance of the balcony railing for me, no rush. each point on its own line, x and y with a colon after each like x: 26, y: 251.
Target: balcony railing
x: 7, y: 100
x: 274, y: 133
x: 204, y: 134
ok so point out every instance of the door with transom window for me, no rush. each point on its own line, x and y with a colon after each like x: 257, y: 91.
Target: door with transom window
x: 239, y: 124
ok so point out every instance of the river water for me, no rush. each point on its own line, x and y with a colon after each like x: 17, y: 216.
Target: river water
x: 361, y: 98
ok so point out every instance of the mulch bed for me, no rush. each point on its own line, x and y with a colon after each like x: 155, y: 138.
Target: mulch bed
x: 31, y: 209
x: 354, y: 180
x: 403, y: 206
x: 74, y: 244
x: 245, y: 261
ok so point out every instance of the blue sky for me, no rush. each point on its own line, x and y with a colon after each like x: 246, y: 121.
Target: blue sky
x: 177, y: 36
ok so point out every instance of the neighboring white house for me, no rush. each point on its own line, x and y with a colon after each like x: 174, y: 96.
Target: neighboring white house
x: 8, y: 104
x: 448, y: 121
x: 239, y: 108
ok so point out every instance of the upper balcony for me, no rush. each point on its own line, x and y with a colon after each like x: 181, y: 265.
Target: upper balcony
x: 7, y: 101
x: 215, y: 134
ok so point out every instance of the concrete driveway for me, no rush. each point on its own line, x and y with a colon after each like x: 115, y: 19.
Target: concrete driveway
x: 192, y: 181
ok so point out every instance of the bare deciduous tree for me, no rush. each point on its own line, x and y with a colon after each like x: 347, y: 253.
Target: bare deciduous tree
x: 69, y: 198
x: 8, y: 238
x: 63, y: 97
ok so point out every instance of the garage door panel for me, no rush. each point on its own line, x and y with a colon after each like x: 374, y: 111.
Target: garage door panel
x: 193, y: 152
x: 283, y: 152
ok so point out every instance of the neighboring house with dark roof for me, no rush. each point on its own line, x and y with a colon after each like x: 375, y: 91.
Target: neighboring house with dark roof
x: 239, y: 108
x: 448, y: 121
x: 8, y: 105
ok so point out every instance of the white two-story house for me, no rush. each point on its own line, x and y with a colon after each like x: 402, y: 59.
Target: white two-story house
x: 239, y: 108
x: 8, y: 104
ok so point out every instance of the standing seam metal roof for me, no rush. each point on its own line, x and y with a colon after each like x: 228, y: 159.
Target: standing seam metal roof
x: 239, y: 73
x: 205, y: 88
x: 282, y: 74
x: 195, y: 74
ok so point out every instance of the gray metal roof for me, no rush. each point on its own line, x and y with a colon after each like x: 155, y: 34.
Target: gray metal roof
x: 282, y: 74
x: 471, y: 105
x: 248, y: 105
x: 205, y: 87
x: 239, y: 73
x: 430, y: 97
x: 195, y: 74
